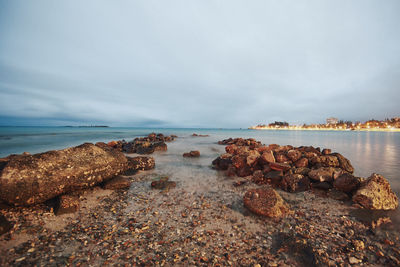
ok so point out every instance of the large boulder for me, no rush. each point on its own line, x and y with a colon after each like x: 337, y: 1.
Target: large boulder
x: 347, y: 183
x: 265, y: 202
x: 267, y: 157
x: 375, y: 194
x: 324, y: 174
x: 31, y: 179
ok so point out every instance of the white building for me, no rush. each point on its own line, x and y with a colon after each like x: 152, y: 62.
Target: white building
x: 332, y: 120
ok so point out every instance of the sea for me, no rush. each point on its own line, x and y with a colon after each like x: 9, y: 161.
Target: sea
x: 369, y: 152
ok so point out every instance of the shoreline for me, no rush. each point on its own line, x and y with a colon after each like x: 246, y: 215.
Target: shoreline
x: 324, y: 129
x: 200, y: 222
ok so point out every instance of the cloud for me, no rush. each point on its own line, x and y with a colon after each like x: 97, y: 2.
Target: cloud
x: 198, y: 64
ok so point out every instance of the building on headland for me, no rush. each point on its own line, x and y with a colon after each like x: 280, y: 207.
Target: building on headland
x: 332, y: 120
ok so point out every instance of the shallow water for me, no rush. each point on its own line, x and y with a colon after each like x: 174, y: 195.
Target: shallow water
x: 368, y: 151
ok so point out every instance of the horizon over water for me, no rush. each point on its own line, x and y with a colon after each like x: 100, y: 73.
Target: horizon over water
x: 369, y: 152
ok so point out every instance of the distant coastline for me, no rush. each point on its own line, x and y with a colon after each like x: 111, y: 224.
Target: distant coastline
x: 326, y: 129
x: 88, y: 126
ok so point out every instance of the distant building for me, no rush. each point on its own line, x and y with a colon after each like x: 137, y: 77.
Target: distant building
x: 332, y: 120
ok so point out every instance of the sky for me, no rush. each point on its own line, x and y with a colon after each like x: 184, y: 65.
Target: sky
x: 192, y: 63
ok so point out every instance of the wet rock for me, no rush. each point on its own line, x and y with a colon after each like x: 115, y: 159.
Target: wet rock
x: 301, y: 163
x: 231, y: 149
x: 323, y: 174
x: 265, y: 202
x: 163, y: 184
x: 294, y: 155
x: 326, y: 151
x: 223, y: 161
x: 279, y: 166
x: 231, y: 170
x: 295, y: 183
x: 160, y: 146
x: 200, y: 135
x: 322, y: 185
x: 344, y: 163
x: 192, y: 154
x: 267, y: 157
x: 347, y: 183
x: 32, y: 179
x: 144, y: 147
x: 375, y: 194
x: 239, y: 161
x: 5, y: 225
x: 141, y: 163
x: 67, y: 204
x: 118, y: 182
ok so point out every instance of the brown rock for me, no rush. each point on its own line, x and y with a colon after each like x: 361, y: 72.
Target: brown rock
x: 301, y: 170
x: 163, y: 184
x: 265, y: 202
x: 252, y: 158
x: 5, y: 225
x: 67, y: 204
x: 295, y: 183
x: 231, y: 170
x: 243, y: 172
x: 375, y: 194
x: 32, y: 179
x: 263, y: 149
x: 160, y: 146
x: 322, y: 174
x: 141, y: 163
x: 192, y: 154
x: 239, y: 161
x: 347, y: 183
x: 301, y: 163
x: 294, y: 155
x: 329, y: 161
x: 344, y: 163
x: 326, y: 151
x: 231, y: 149
x: 118, y: 182
x: 267, y: 157
x: 223, y: 161
x: 258, y: 177
x: 281, y: 158
x: 274, y: 177
x: 279, y: 166
x: 322, y: 185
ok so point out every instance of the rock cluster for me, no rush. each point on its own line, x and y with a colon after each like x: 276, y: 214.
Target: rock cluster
x: 296, y: 169
x: 143, y: 145
x: 192, y: 154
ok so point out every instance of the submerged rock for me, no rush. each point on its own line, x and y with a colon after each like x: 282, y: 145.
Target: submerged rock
x: 67, y: 204
x: 375, y: 194
x: 192, y: 154
x: 118, y: 182
x: 265, y: 202
x: 163, y: 184
x: 32, y: 179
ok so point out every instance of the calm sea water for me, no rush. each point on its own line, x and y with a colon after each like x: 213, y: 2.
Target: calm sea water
x: 368, y: 151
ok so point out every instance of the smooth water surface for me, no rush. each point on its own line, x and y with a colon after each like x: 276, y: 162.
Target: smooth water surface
x: 368, y: 151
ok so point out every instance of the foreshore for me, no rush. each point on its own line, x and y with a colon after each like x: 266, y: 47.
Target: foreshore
x: 201, y: 221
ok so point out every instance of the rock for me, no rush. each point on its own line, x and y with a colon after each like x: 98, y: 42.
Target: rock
x: 67, y: 204
x: 144, y: 148
x: 231, y: 149
x: 265, y: 202
x: 301, y: 163
x: 239, y: 161
x: 141, y: 163
x: 192, y: 154
x: 263, y: 149
x: 279, y: 166
x: 267, y: 157
x: 243, y: 172
x: 160, y: 146
x: 294, y: 155
x: 32, y: 179
x: 326, y: 151
x: 358, y: 245
x: 274, y: 177
x: 375, y: 194
x: 295, y: 183
x: 5, y: 225
x: 118, y: 182
x: 252, y: 158
x: 347, y: 183
x: 231, y: 170
x: 163, y: 184
x: 344, y: 163
x: 323, y: 174
x: 329, y: 161
x: 301, y: 170
x: 322, y: 185
x: 258, y: 177
x: 223, y: 161
x: 281, y: 158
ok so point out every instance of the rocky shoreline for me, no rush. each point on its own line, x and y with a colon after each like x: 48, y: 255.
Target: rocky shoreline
x: 143, y: 217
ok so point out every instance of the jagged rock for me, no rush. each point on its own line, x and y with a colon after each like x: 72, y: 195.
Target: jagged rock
x: 375, y: 194
x: 279, y: 166
x: 239, y: 161
x: 32, y: 179
x: 258, y: 177
x: 274, y: 177
x: 265, y: 202
x: 323, y: 174
x: 5, y: 225
x: 267, y: 157
x: 231, y: 149
x: 301, y: 163
x: 301, y: 170
x: 295, y: 183
x: 329, y: 161
x: 281, y: 158
x: 326, y: 151
x: 347, y: 183
x: 118, y: 182
x: 192, y: 154
x: 67, y: 204
x: 344, y: 163
x: 223, y: 161
x: 252, y: 158
x: 141, y: 163
x: 294, y: 155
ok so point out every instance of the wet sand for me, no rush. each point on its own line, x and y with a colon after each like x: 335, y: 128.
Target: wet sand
x: 200, y: 222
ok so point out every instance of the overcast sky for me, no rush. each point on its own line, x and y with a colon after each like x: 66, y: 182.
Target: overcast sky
x: 198, y: 63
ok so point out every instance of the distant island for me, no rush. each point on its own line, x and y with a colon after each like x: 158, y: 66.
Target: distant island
x: 88, y: 126
x: 392, y: 124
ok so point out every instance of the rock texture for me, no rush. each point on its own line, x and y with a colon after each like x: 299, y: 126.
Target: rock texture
x: 192, y: 154
x: 141, y: 163
x: 67, y: 204
x: 5, y: 225
x: 31, y: 179
x: 265, y: 202
x: 375, y: 194
x: 118, y: 182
